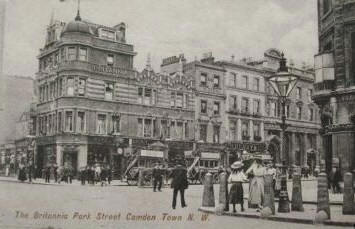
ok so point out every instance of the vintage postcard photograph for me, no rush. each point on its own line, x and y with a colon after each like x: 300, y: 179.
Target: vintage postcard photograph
x: 177, y: 114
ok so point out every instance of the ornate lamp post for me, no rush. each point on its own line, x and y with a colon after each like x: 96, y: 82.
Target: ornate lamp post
x: 283, y: 82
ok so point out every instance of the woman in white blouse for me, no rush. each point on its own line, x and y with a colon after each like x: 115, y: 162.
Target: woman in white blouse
x: 256, y: 189
x: 236, y: 194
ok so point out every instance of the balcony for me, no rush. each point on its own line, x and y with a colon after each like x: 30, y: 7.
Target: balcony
x: 325, y: 85
x: 349, y: 83
x: 257, y: 114
x: 245, y: 112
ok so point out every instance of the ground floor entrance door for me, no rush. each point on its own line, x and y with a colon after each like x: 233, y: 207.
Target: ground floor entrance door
x: 311, y: 160
x: 39, y: 162
x: 70, y: 159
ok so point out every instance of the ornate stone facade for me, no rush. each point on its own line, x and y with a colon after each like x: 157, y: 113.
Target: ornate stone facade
x: 334, y: 85
x: 93, y: 107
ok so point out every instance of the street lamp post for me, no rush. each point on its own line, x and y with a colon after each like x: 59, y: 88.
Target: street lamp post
x: 283, y: 82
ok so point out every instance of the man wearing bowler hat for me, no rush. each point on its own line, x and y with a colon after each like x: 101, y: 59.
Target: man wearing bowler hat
x: 179, y: 182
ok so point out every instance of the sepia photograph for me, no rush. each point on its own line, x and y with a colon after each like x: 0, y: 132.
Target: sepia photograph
x: 177, y: 114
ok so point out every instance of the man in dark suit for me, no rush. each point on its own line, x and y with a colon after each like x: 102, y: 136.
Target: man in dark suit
x: 47, y: 172
x: 109, y: 175
x: 179, y: 182
x: 30, y: 171
x: 158, y: 177
x: 83, y: 175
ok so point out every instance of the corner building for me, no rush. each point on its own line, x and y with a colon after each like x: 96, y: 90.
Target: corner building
x: 335, y: 80
x: 93, y: 107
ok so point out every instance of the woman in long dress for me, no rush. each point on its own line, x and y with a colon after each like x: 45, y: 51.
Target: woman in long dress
x: 22, y: 173
x: 256, y: 189
x: 278, y: 181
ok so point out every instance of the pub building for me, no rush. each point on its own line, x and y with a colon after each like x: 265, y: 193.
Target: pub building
x: 94, y: 108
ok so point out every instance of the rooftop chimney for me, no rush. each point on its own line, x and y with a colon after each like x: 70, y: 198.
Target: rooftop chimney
x: 207, y: 58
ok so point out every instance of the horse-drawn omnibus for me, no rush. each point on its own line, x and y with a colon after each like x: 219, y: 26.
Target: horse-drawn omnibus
x: 201, y: 163
x: 144, y: 160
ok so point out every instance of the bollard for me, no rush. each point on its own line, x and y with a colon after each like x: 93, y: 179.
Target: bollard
x: 348, y: 195
x: 297, y: 202
x: 323, y: 194
x: 208, y: 194
x: 140, y: 178
x: 269, y: 201
x: 284, y: 201
x: 223, y: 191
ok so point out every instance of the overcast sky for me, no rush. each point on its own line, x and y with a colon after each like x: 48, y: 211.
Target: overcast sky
x: 170, y: 27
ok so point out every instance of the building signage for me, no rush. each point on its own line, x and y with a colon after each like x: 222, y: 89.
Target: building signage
x: 170, y: 60
x: 152, y: 153
x: 249, y: 147
x: 109, y: 69
x: 210, y: 155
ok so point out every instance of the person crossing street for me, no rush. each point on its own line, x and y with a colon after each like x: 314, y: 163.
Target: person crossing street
x: 179, y: 183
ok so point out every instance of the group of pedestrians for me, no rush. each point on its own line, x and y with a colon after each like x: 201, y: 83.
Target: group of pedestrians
x: 26, y: 171
x: 256, y: 174
x: 58, y: 173
x: 96, y: 174
x: 179, y: 182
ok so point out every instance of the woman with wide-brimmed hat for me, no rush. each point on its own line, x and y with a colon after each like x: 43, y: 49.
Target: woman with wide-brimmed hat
x: 237, y: 177
x: 256, y: 188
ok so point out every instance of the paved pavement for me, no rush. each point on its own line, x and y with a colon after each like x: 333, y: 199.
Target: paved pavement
x: 121, y: 202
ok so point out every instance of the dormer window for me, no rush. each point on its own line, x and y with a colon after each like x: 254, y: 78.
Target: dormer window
x: 107, y: 34
x: 109, y: 59
x: 203, y: 79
